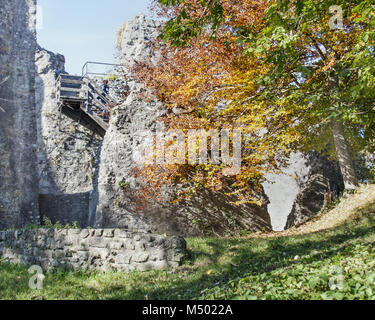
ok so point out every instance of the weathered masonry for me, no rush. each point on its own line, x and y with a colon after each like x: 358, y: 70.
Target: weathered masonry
x: 89, y: 249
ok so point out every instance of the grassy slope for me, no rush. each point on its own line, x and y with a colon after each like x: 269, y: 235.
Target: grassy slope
x: 330, y: 264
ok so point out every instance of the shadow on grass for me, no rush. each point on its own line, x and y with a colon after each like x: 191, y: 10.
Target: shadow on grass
x: 248, y: 261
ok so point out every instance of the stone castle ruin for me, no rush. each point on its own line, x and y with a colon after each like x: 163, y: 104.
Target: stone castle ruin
x: 52, y: 166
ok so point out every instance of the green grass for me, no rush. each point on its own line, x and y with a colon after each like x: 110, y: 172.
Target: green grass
x: 296, y: 267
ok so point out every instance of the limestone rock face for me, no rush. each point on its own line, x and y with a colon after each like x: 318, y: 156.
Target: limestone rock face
x: 283, y: 188
x: 67, y: 152
x: 19, y: 186
x: 323, y: 178
x: 206, y: 213
x: 297, y: 193
x: 134, y: 40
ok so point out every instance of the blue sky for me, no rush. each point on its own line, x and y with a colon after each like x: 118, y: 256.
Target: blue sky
x: 85, y: 30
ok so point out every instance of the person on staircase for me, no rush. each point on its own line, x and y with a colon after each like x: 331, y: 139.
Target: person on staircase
x: 104, y: 92
x: 104, y: 88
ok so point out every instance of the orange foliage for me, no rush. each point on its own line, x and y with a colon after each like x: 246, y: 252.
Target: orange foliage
x: 210, y: 84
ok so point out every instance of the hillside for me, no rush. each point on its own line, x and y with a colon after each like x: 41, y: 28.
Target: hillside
x: 331, y: 257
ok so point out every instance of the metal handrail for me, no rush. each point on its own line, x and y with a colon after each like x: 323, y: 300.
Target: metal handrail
x: 85, y: 66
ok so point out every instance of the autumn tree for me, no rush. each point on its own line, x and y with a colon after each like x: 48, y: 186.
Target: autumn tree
x: 295, y: 58
x: 331, y: 63
x: 210, y: 84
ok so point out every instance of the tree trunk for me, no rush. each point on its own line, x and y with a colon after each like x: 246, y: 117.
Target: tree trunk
x: 343, y: 154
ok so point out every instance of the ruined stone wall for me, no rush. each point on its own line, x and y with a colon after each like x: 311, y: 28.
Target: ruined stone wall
x: 109, y: 249
x: 19, y: 185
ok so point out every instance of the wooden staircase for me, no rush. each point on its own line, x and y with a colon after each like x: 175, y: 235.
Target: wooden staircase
x: 80, y: 99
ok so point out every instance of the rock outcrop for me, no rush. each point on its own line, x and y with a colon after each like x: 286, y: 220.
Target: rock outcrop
x: 323, y: 182
x: 297, y: 193
x: 68, y: 153
x: 283, y: 188
x: 19, y: 187
x: 134, y: 40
